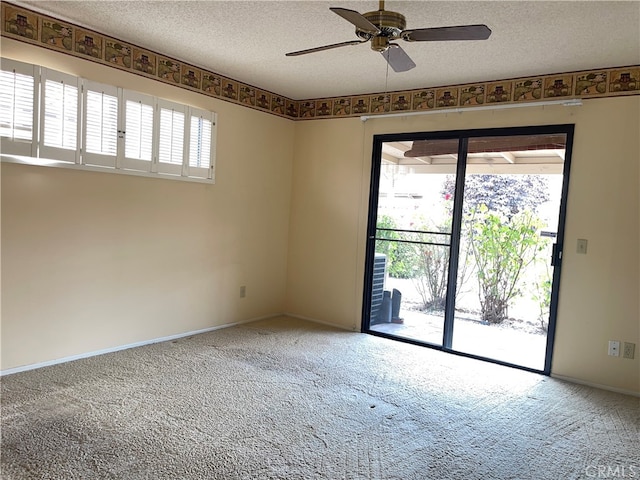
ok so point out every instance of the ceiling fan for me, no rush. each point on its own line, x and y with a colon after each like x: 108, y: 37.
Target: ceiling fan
x: 381, y: 27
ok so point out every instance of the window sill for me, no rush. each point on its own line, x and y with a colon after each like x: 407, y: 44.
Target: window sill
x: 42, y: 162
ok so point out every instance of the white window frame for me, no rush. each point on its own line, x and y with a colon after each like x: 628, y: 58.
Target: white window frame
x: 17, y: 146
x: 52, y: 152
x: 93, y: 158
x: 136, y: 163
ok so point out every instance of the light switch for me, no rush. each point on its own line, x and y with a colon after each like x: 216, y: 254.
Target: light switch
x: 582, y: 246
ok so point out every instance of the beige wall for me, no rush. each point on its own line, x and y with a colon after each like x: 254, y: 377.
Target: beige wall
x: 96, y: 260
x: 92, y: 261
x: 598, y: 292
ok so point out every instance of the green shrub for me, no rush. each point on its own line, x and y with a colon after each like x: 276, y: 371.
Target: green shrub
x: 400, y: 256
x: 502, y: 247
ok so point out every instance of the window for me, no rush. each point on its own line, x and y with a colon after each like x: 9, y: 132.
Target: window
x: 17, y: 108
x: 60, y: 128
x: 67, y: 121
x: 186, y: 140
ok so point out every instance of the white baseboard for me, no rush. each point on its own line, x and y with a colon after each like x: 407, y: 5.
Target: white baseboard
x: 595, y: 385
x: 71, y: 358
x: 314, y: 320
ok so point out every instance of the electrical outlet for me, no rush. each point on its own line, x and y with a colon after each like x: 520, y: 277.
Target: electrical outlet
x: 243, y: 291
x: 614, y: 348
x: 629, y: 350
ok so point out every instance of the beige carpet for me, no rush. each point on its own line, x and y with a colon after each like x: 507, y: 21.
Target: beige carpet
x: 286, y: 399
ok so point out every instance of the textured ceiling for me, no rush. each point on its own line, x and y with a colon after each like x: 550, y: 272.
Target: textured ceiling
x: 247, y: 40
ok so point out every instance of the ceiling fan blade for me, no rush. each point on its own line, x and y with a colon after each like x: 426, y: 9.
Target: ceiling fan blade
x: 461, y: 32
x: 356, y: 19
x: 325, y: 47
x: 397, y: 58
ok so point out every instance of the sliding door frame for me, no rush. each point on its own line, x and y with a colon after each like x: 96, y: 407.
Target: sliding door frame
x: 463, y: 136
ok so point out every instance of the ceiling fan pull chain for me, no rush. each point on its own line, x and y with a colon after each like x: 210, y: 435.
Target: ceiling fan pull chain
x: 386, y: 80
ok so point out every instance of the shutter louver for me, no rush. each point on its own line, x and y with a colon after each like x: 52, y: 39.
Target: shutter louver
x: 201, y: 128
x: 139, y: 131
x: 16, y: 103
x: 171, y: 136
x: 17, y: 91
x: 100, y: 125
x: 171, y: 139
x: 61, y: 115
x: 60, y: 111
x: 138, y: 148
x: 200, y: 144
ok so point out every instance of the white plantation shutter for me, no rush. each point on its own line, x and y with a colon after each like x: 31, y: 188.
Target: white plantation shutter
x: 100, y: 124
x: 138, y: 128
x: 64, y: 120
x: 60, y: 126
x: 200, y: 143
x: 171, y: 144
x: 18, y: 107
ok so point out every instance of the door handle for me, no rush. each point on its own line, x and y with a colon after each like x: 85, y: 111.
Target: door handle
x: 556, y: 255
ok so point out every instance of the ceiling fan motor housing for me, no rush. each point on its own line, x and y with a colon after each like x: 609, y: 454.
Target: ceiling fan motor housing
x: 390, y: 24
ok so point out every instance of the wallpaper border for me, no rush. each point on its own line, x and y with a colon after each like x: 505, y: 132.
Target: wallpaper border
x: 48, y: 32
x: 28, y: 26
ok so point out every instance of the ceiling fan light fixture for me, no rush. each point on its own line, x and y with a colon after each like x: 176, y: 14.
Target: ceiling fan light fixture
x: 379, y: 44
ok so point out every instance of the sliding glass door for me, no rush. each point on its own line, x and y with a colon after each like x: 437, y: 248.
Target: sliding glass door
x: 465, y: 241
x: 413, y: 233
